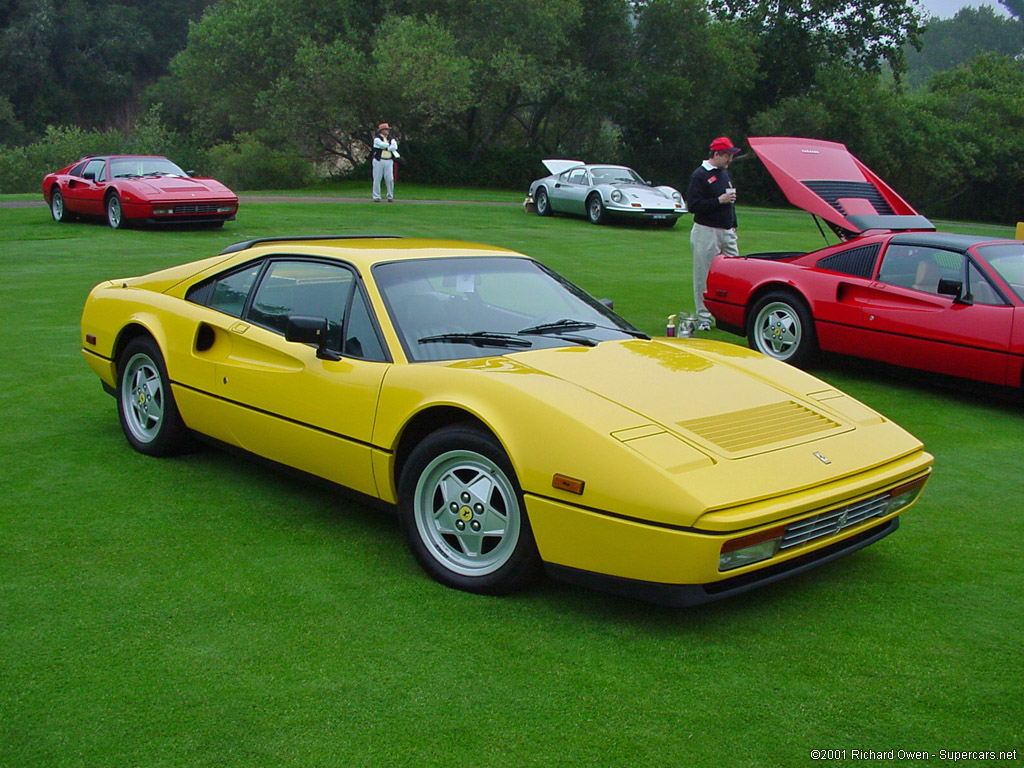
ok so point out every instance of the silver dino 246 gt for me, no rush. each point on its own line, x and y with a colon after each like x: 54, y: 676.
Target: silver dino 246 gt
x: 602, y: 191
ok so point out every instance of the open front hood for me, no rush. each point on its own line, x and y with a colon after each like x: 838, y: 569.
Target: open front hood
x: 824, y: 179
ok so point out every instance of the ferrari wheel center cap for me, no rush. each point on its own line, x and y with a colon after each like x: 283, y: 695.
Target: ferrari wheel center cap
x: 465, y: 514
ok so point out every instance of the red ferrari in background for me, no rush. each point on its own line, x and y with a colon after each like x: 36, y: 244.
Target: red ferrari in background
x: 137, y: 189
x: 893, y: 290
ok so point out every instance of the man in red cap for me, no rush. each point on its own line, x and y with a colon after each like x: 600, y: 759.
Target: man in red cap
x: 711, y: 198
x: 385, y: 150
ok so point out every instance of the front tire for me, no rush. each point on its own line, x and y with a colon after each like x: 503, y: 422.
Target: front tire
x: 115, y: 212
x: 543, y: 202
x: 781, y: 326
x: 463, y: 515
x: 595, y: 209
x: 145, y: 404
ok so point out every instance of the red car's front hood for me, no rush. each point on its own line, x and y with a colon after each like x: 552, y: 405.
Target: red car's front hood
x: 824, y: 179
x: 180, y: 187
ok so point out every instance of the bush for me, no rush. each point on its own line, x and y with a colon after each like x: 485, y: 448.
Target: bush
x: 22, y: 168
x: 247, y: 163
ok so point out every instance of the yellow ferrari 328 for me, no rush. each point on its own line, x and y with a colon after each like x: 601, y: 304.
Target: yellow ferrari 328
x: 518, y: 424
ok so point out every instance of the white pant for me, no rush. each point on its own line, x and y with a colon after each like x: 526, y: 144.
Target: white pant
x: 707, y: 243
x: 383, y: 169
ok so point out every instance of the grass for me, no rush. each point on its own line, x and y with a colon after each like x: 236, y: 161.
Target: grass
x: 207, y: 611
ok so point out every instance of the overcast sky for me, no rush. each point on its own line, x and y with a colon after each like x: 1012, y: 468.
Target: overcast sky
x: 946, y: 9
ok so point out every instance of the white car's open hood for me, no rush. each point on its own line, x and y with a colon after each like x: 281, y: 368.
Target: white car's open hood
x: 557, y: 166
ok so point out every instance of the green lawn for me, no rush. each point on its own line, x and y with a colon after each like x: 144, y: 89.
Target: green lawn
x: 207, y: 611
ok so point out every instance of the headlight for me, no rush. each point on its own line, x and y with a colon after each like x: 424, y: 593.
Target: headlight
x: 750, y: 549
x: 163, y: 211
x: 677, y: 197
x: 225, y: 209
x: 904, y: 495
x: 617, y: 196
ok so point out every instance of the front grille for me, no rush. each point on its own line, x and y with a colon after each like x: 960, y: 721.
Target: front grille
x: 196, y: 208
x: 832, y: 522
x: 757, y: 427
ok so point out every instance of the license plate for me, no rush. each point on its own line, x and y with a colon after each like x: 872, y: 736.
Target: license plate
x: 660, y: 216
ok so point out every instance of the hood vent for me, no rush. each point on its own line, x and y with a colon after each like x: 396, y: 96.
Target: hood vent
x: 753, y: 428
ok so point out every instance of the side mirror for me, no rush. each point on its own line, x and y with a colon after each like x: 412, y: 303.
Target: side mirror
x: 608, y: 303
x: 190, y: 174
x: 89, y: 175
x: 310, y: 330
x: 954, y: 288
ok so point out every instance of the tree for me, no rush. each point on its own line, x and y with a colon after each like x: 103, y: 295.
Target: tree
x: 948, y: 43
x: 797, y: 38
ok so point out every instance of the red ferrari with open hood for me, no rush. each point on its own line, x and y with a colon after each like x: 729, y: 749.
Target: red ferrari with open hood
x: 824, y: 179
x: 893, y: 289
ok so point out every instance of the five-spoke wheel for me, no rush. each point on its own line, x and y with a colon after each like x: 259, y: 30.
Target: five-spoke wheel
x: 595, y: 209
x: 463, y: 514
x: 145, y: 404
x: 115, y: 214
x: 781, y: 326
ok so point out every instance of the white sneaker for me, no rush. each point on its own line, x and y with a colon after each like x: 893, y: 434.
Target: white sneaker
x: 705, y: 325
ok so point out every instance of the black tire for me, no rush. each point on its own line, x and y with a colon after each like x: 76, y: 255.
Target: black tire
x: 781, y: 326
x: 114, y: 211
x: 57, y: 208
x: 145, y: 403
x: 543, y: 202
x: 457, y: 486
x: 595, y: 209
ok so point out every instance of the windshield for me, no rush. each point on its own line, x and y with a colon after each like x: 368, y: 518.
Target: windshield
x: 450, y: 309
x: 1008, y: 260
x: 613, y: 175
x: 128, y: 167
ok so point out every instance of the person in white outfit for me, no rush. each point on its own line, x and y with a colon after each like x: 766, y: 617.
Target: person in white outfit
x: 385, y: 150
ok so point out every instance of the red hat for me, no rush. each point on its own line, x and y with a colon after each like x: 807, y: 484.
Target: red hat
x: 724, y: 144
x: 383, y: 126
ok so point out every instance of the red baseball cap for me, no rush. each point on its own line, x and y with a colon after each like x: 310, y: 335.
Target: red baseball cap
x: 724, y: 144
x: 383, y: 126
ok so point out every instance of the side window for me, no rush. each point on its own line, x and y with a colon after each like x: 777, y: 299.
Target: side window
x: 97, y: 168
x: 302, y: 288
x: 361, y: 338
x: 77, y: 170
x: 920, y: 267
x: 981, y: 289
x: 579, y: 176
x: 226, y: 293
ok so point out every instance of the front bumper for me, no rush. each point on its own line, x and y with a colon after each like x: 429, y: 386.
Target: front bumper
x: 648, y: 214
x: 685, y: 595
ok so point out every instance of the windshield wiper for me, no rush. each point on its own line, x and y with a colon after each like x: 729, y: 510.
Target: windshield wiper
x: 557, y: 327
x: 479, y: 339
x: 560, y: 326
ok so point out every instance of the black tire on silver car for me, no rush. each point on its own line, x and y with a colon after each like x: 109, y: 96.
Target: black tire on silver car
x: 781, y: 326
x: 595, y: 209
x: 115, y: 213
x: 543, y: 202
x: 462, y: 513
x: 145, y: 404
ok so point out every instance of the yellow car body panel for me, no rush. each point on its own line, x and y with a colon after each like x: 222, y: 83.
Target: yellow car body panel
x: 672, y: 446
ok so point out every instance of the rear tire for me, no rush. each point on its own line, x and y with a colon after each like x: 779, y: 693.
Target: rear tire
x: 543, y: 202
x: 463, y: 515
x: 781, y: 326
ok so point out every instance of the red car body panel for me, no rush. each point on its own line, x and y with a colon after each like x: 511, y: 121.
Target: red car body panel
x: 177, y: 198
x: 824, y: 179
x: 861, y: 305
